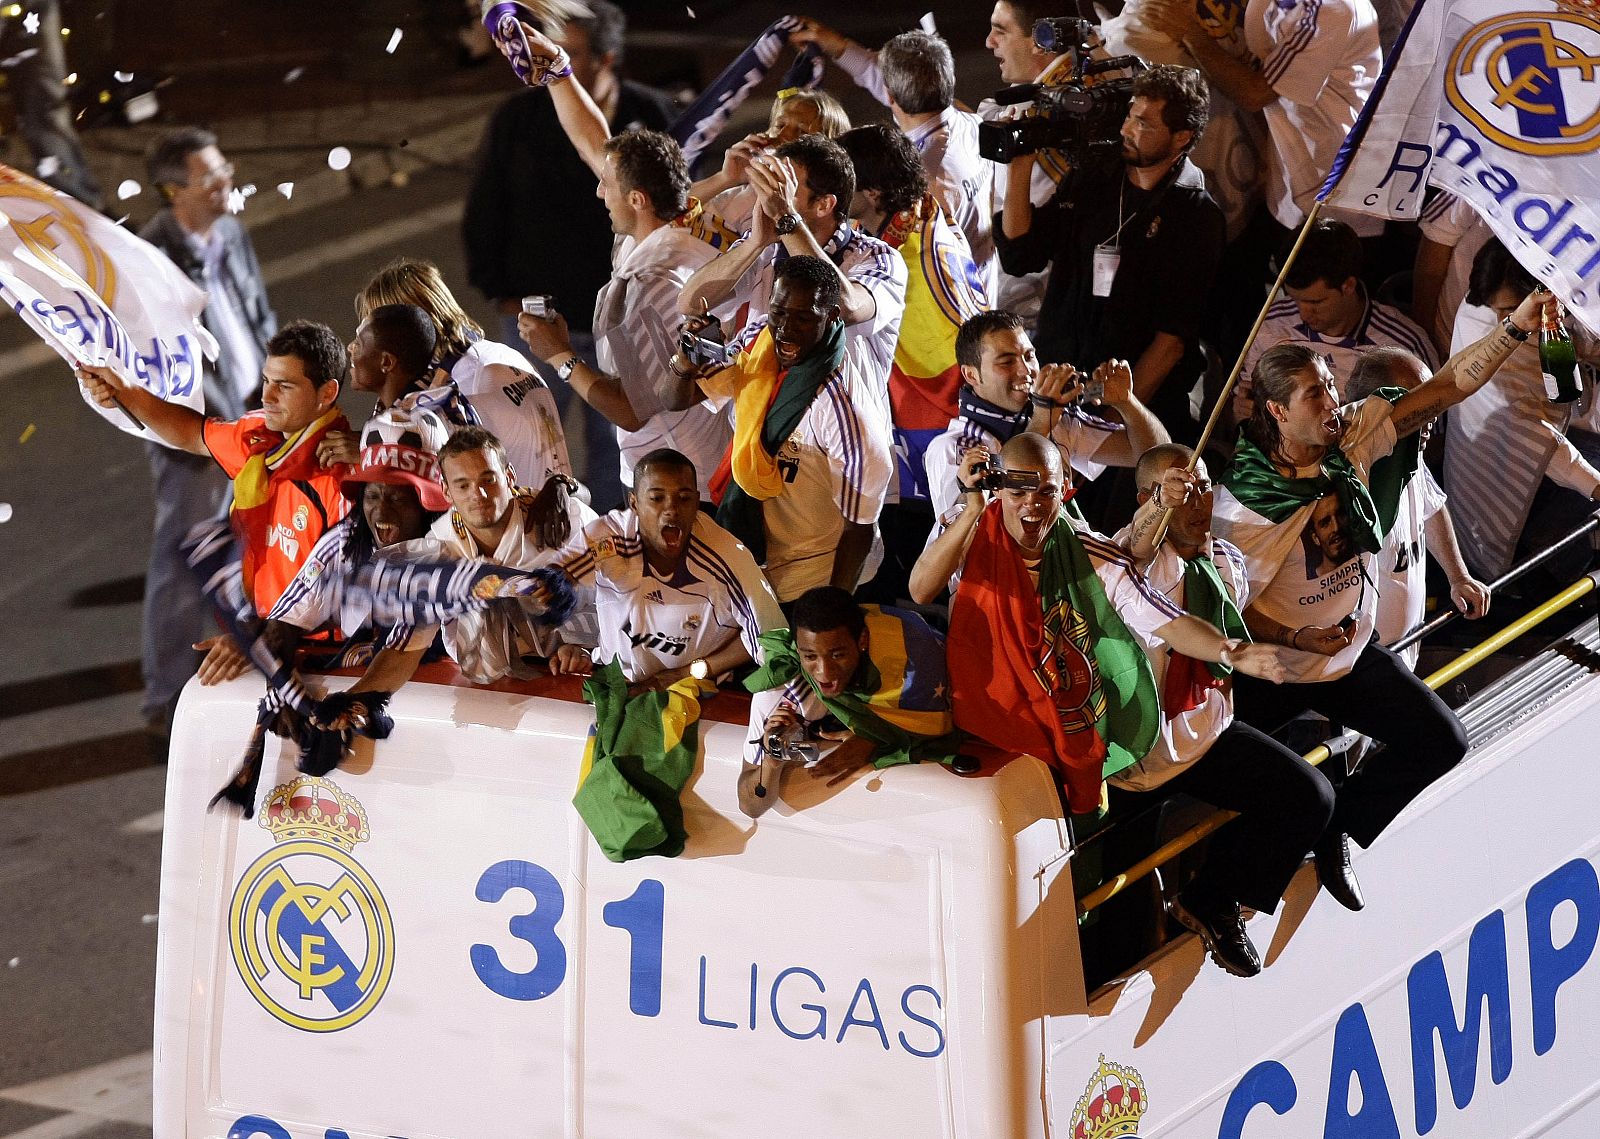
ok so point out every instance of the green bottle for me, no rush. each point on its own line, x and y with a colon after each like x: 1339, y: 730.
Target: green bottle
x: 1558, y: 360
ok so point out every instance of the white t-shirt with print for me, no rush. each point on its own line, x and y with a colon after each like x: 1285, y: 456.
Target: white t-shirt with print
x: 1305, y: 570
x: 519, y: 409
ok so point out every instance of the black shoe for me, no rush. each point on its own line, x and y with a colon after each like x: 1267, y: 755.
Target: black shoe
x: 966, y: 765
x: 1338, y: 877
x: 1222, y: 929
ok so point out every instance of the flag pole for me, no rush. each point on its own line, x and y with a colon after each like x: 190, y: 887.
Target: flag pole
x: 1238, y: 365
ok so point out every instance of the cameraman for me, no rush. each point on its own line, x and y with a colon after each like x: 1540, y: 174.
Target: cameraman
x: 1133, y: 244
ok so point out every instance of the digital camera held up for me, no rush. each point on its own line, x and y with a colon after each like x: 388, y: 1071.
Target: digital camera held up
x: 992, y: 476
x: 1077, y: 116
x: 706, y: 345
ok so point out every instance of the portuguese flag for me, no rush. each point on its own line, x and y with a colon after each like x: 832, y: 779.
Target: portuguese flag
x: 1052, y: 672
x: 636, y: 763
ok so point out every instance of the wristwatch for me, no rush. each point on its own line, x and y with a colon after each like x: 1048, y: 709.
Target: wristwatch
x: 565, y: 368
x: 699, y: 669
x: 786, y: 224
x: 1514, y: 332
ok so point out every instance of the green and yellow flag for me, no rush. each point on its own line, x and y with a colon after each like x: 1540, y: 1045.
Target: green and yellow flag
x: 636, y: 763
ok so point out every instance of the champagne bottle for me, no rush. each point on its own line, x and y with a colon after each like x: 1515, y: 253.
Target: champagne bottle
x: 1558, y: 360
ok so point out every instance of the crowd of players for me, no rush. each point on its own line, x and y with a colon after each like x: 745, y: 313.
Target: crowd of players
x: 902, y: 437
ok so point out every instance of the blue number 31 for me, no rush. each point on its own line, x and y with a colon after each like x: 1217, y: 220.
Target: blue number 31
x: 641, y: 914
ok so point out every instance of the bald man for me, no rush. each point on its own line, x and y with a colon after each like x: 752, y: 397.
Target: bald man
x: 1032, y: 574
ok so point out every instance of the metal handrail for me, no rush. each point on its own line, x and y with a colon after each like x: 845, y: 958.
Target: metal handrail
x: 1182, y: 842
x: 1511, y: 575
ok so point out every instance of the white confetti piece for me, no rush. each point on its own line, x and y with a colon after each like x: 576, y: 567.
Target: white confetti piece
x: 30, y: 23
x: 394, y: 41
x: 286, y: 189
x: 294, y: 73
x: 122, y: 76
x: 689, y: 10
x: 339, y: 157
x: 128, y: 189
x: 13, y: 963
x: 5, y: 512
x: 48, y: 165
x: 926, y: 23
x: 148, y: 919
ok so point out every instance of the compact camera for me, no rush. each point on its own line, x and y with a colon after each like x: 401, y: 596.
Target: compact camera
x: 790, y: 744
x: 708, y: 346
x: 541, y: 306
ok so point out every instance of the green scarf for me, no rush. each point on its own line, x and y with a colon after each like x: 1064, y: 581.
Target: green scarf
x: 1256, y: 483
x: 1206, y: 597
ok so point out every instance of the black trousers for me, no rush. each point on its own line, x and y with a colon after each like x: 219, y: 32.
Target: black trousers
x: 1284, y: 805
x: 1382, y: 698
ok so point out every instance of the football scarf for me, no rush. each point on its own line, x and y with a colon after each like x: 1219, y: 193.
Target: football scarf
x: 702, y: 121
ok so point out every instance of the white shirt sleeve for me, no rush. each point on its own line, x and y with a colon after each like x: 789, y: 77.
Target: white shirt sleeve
x: 861, y: 64
x: 860, y: 455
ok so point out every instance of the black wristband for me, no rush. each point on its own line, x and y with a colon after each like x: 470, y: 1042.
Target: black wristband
x: 1045, y: 401
x: 1514, y: 332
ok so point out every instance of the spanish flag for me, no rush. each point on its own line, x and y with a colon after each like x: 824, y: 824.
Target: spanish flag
x: 636, y: 764
x: 943, y: 290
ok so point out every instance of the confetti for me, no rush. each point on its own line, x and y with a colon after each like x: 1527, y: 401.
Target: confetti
x: 148, y: 919
x: 48, y: 165
x: 122, y: 76
x: 926, y: 23
x: 128, y: 189
x: 339, y: 157
x: 286, y: 189
x: 689, y: 10
x: 72, y: 77
x: 14, y: 962
x: 27, y: 433
x: 394, y: 41
x: 294, y: 73
x: 30, y: 23
x: 235, y: 200
x: 5, y: 512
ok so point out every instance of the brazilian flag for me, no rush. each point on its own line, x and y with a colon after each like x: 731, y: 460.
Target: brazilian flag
x: 637, y: 760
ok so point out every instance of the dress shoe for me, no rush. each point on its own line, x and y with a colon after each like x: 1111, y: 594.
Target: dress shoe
x: 1338, y: 877
x: 966, y: 765
x: 1221, y: 928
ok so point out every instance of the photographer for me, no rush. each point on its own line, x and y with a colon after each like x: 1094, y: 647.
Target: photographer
x: 1133, y: 245
x: 1005, y: 392
x: 869, y: 680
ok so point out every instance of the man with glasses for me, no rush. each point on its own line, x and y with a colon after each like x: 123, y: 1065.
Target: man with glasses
x: 202, y: 237
x: 1283, y: 802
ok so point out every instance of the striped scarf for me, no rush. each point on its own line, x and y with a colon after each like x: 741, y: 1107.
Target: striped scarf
x: 703, y: 120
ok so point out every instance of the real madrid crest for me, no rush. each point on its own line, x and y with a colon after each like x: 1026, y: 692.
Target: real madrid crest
x: 310, y: 931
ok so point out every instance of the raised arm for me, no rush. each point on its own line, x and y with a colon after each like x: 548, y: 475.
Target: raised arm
x: 1471, y: 368
x: 583, y: 121
x: 939, y: 562
x: 180, y: 426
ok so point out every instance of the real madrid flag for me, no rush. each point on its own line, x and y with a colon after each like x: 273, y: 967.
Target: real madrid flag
x: 1502, y: 108
x: 98, y: 294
